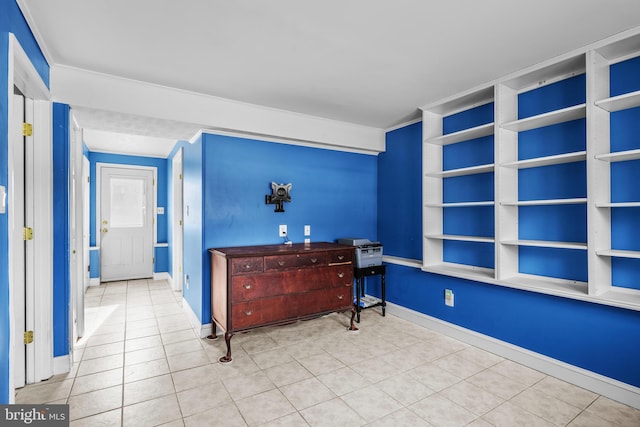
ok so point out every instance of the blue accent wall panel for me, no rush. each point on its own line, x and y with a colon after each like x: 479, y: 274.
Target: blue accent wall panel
x: 468, y: 188
x: 624, y: 272
x: 625, y: 226
x: 161, y: 264
x: 570, y: 264
x: 564, y: 181
x: 465, y: 154
x: 562, y: 138
x: 94, y: 264
x: 61, y: 277
x: 467, y: 119
x: 623, y: 174
x: 559, y: 223
x: 11, y: 20
x: 623, y: 77
x: 469, y: 221
x: 479, y: 254
x: 555, y: 96
x: 401, y: 192
x: 624, y: 129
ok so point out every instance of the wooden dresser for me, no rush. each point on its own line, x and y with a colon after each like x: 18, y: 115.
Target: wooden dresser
x: 254, y: 286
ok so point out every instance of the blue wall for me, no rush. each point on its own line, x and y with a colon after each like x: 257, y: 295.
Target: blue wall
x: 61, y: 278
x: 225, y: 183
x: 11, y: 20
x: 591, y: 336
x: 160, y: 253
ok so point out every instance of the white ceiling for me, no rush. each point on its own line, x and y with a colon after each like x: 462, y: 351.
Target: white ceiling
x: 369, y: 62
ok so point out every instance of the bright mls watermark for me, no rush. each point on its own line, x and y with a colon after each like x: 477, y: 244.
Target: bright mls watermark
x: 34, y: 415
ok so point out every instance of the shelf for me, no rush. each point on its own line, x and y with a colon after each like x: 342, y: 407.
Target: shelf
x: 461, y: 238
x: 618, y: 205
x: 461, y: 270
x: 558, y: 159
x: 463, y: 171
x: 463, y: 135
x: 546, y: 202
x: 620, y: 156
x: 546, y: 244
x: 619, y: 253
x: 620, y: 102
x: 552, y: 285
x: 548, y: 119
x: 459, y: 204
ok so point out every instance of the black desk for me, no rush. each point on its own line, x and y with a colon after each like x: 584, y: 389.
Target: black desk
x: 359, y: 274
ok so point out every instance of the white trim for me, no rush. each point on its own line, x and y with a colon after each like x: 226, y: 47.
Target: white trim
x: 89, y: 89
x: 161, y: 245
x: 94, y: 281
x: 163, y: 275
x: 62, y: 364
x: 202, y: 331
x: 401, y: 125
x: 596, y: 383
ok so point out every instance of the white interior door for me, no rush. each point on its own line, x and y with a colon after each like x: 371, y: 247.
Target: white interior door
x: 126, y: 224
x: 16, y: 242
x: 177, y: 221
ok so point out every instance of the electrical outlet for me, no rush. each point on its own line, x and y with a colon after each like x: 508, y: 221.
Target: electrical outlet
x: 307, y: 230
x: 448, y: 297
x: 282, y: 230
x: 307, y: 240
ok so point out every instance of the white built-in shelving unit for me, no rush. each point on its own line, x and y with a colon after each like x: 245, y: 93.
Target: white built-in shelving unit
x: 507, y: 127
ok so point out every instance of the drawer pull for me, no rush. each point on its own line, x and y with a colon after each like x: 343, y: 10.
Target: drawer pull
x: 314, y: 260
x: 340, y: 257
x: 247, y: 286
x: 247, y: 266
x: 340, y: 296
x: 248, y: 313
x: 281, y: 263
x: 341, y: 274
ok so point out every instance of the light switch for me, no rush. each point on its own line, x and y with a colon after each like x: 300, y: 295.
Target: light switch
x: 3, y: 199
x: 160, y: 210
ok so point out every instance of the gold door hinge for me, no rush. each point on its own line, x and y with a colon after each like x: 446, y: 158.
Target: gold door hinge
x: 153, y: 260
x: 28, y: 337
x: 180, y: 222
x: 180, y: 176
x: 27, y: 233
x: 27, y: 129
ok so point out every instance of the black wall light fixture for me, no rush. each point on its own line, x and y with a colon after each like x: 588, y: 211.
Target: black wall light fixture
x: 280, y: 193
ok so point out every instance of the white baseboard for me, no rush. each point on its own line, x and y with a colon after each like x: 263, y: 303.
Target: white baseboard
x: 61, y: 364
x: 161, y: 276
x: 201, y: 330
x: 94, y: 281
x: 596, y: 383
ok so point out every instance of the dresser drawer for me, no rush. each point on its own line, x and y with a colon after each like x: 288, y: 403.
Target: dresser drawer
x: 263, y: 311
x: 284, y: 262
x: 253, y: 286
x: 247, y: 265
x: 340, y: 257
x: 325, y: 300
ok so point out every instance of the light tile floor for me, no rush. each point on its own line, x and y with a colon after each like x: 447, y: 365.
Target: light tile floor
x: 140, y: 363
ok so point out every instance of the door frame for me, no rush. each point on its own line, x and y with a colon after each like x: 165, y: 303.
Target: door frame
x: 178, y: 224
x: 38, y: 305
x: 154, y: 197
x: 76, y: 231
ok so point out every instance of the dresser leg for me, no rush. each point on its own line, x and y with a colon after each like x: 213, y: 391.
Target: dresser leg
x: 353, y: 315
x: 214, y: 333
x: 227, y: 339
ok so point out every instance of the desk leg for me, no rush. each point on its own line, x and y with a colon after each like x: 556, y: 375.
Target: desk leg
x: 359, y: 286
x: 227, y: 357
x: 384, y: 289
x: 352, y: 327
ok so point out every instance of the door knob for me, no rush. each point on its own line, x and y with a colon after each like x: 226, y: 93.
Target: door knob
x: 104, y: 230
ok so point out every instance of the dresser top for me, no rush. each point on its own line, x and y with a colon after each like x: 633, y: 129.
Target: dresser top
x: 265, y: 250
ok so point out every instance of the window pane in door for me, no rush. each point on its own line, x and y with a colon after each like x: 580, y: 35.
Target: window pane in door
x: 127, y: 202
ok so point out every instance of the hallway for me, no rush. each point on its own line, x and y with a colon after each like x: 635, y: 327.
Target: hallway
x: 140, y: 363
